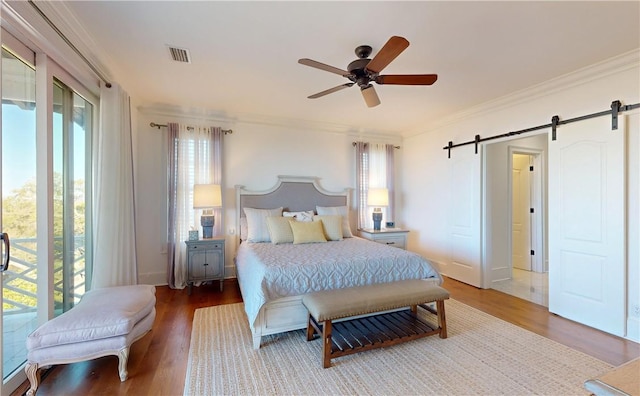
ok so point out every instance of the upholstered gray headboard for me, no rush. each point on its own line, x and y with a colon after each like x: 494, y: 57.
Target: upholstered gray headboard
x: 293, y: 193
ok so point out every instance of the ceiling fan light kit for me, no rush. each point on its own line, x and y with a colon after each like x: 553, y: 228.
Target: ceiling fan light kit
x: 363, y: 71
x: 370, y: 96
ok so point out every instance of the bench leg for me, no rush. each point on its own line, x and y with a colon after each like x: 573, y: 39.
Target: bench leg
x: 123, y: 356
x: 326, y: 344
x: 310, y: 329
x: 442, y: 320
x: 31, y: 369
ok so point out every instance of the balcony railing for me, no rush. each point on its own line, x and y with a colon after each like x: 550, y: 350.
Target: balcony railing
x: 20, y: 282
x: 20, y: 300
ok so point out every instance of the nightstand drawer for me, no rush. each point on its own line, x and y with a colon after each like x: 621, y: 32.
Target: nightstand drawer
x: 392, y: 241
x: 395, y: 237
x: 203, y: 247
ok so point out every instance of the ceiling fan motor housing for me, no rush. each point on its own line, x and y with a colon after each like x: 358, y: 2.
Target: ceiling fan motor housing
x: 358, y: 73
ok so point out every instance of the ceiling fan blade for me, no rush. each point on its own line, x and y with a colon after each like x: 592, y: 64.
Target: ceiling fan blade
x: 388, y: 53
x: 407, y: 79
x: 322, y: 66
x: 370, y: 96
x: 330, y: 90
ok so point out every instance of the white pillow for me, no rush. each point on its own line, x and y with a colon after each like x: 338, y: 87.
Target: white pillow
x: 244, y: 229
x: 279, y: 229
x: 257, y: 223
x: 306, y: 215
x: 340, y: 211
x: 332, y: 226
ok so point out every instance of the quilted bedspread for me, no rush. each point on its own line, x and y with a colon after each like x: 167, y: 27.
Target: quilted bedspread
x: 267, y: 271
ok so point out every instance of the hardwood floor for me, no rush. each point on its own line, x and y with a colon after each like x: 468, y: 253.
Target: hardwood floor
x: 158, y: 362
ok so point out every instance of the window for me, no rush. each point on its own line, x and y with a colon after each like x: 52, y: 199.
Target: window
x: 375, y: 169
x: 196, y: 159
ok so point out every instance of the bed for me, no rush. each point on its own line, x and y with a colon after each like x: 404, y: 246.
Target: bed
x: 274, y: 277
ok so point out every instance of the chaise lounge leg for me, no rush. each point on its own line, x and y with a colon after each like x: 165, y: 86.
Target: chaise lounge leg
x: 31, y: 369
x: 123, y: 356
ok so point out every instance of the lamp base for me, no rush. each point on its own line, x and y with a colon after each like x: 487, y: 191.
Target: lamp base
x: 377, y: 220
x: 207, y: 221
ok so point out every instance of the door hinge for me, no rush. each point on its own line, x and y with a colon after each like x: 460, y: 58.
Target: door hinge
x: 531, y: 168
x: 531, y: 210
x: 533, y: 252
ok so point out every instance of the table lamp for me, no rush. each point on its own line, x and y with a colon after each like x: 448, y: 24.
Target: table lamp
x: 377, y: 197
x: 207, y: 197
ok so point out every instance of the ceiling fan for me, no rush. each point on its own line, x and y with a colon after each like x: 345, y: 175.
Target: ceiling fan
x: 363, y: 71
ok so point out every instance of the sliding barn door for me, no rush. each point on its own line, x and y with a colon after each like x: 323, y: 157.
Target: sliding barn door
x: 465, y: 216
x: 587, y: 224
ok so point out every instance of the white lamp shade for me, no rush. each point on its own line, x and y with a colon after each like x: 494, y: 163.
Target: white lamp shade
x: 207, y: 196
x: 378, y: 197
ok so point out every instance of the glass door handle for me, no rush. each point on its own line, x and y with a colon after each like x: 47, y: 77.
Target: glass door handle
x: 5, y: 263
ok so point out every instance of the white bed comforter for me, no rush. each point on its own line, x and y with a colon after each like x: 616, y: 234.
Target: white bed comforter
x: 267, y: 271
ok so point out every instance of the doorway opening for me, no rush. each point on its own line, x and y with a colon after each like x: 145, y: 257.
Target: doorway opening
x: 515, y: 203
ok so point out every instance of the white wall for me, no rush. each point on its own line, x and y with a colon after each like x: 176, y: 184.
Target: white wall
x: 426, y: 185
x: 254, y: 155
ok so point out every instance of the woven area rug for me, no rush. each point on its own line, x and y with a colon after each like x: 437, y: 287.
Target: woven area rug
x: 482, y: 355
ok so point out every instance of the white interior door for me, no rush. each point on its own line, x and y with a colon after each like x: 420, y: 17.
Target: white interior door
x: 521, y: 215
x: 465, y: 216
x: 587, y: 224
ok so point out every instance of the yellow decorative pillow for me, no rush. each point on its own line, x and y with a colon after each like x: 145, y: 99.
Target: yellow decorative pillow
x: 307, y: 232
x: 279, y: 229
x: 340, y: 211
x: 332, y: 226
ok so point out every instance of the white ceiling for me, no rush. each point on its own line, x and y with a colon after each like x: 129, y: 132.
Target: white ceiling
x: 244, y: 54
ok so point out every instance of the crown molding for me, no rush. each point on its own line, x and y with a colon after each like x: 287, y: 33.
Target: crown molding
x: 623, y: 62
x: 228, y: 120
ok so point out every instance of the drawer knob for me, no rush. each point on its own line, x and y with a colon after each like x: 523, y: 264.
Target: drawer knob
x: 391, y: 243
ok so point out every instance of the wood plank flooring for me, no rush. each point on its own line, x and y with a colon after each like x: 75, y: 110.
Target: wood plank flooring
x: 158, y: 362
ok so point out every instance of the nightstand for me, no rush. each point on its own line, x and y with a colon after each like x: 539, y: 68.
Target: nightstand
x: 205, y: 261
x: 396, y: 237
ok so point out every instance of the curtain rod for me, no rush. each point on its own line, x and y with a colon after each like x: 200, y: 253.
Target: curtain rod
x: 70, y: 44
x: 616, y: 108
x: 354, y: 143
x: 189, y: 128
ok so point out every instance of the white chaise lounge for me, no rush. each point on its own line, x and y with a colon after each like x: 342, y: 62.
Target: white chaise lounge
x: 105, y: 322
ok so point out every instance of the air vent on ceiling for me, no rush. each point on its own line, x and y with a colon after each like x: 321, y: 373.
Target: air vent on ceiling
x: 179, y: 54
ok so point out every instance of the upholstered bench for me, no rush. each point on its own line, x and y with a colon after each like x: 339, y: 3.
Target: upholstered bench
x: 374, y: 331
x: 105, y: 322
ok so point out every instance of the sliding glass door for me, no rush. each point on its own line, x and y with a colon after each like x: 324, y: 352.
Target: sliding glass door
x: 45, y: 187
x: 72, y: 125
x: 18, y: 216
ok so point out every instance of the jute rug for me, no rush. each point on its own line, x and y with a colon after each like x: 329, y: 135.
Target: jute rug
x: 482, y: 355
